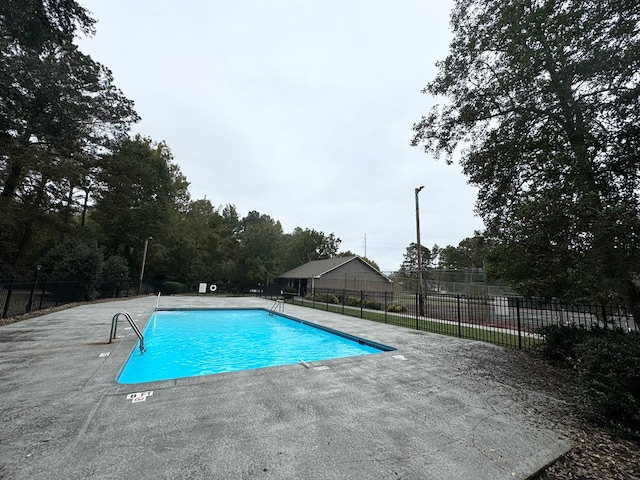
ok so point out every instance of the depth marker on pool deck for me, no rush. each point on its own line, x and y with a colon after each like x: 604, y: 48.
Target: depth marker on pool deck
x: 104, y: 354
x: 399, y: 357
x: 139, y: 396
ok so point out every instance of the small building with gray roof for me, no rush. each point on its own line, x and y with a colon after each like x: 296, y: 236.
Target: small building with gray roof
x: 338, y: 273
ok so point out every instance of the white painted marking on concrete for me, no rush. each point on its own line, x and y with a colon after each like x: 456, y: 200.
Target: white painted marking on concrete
x: 321, y: 367
x: 399, y: 357
x: 139, y: 396
x: 304, y: 364
x: 127, y: 328
x: 104, y: 354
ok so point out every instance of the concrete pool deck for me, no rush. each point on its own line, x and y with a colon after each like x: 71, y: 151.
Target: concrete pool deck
x: 414, y: 413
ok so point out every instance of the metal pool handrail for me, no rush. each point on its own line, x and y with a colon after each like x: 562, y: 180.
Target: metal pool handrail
x: 114, y: 327
x: 279, y: 305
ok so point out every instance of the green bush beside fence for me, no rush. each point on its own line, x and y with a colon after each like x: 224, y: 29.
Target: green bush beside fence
x: 173, y: 288
x: 608, y: 366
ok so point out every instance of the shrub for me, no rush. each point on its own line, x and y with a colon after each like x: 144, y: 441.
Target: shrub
x: 352, y: 301
x: 289, y: 292
x: 559, y: 341
x: 608, y: 366
x: 115, y: 273
x: 78, y: 263
x: 323, y: 298
x: 173, y: 288
x: 609, y: 373
x: 372, y: 304
x: 395, y: 308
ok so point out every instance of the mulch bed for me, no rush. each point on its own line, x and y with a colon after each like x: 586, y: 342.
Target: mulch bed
x: 597, y: 453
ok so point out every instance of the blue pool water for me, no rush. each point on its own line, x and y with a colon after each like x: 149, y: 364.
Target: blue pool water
x: 186, y: 343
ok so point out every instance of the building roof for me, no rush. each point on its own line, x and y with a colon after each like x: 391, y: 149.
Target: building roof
x: 317, y: 268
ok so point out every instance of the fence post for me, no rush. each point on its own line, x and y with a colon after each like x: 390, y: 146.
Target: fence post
x: 7, y: 302
x: 385, y: 306
x: 459, y: 317
x: 604, y: 317
x: 361, y: 304
x: 59, y: 292
x: 44, y: 288
x: 32, y: 294
x: 344, y: 295
x: 518, y: 318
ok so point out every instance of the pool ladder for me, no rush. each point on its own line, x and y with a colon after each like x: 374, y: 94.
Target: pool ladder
x: 114, y: 327
x: 279, y: 305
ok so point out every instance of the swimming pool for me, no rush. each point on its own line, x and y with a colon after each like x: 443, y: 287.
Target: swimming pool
x: 187, y: 343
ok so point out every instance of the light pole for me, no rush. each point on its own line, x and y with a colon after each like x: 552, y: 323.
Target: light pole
x: 144, y: 260
x: 419, y: 248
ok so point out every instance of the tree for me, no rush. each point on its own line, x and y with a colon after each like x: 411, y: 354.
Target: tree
x: 115, y: 273
x: 543, y: 96
x: 32, y: 24
x: 204, y: 245
x: 409, y: 267
x: 406, y: 276
x: 78, y: 263
x: 259, y: 238
x: 302, y: 246
x: 58, y: 108
x: 471, y: 252
x: 140, y: 194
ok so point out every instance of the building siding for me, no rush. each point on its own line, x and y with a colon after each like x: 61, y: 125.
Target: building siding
x: 352, y: 274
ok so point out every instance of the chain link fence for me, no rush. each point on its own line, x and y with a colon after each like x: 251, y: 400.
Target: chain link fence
x: 462, y: 281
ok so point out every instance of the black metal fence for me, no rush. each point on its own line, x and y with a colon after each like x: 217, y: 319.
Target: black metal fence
x: 504, y: 320
x: 20, y: 295
x: 513, y: 321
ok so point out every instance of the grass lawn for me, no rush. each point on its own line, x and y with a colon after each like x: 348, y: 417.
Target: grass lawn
x: 494, y: 335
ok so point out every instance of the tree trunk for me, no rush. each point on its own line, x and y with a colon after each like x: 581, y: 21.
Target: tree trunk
x: 85, y: 205
x: 14, y: 177
x: 28, y: 228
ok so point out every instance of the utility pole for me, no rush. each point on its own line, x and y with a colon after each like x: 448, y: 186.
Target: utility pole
x: 419, y: 248
x: 144, y: 260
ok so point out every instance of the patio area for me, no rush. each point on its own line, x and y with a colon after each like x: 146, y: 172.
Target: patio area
x: 413, y: 413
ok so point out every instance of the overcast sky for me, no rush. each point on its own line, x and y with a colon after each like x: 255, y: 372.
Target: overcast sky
x: 299, y: 109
